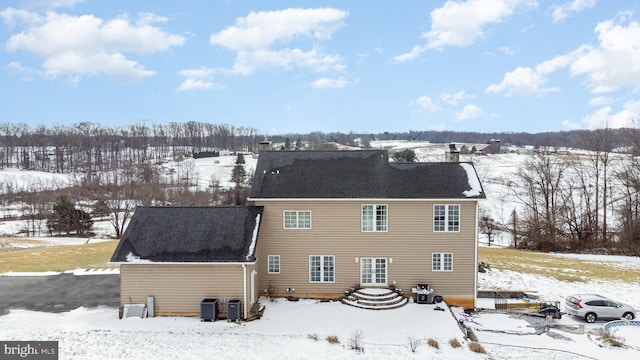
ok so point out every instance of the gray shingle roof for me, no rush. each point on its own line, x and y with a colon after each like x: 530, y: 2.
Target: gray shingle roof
x: 190, y: 234
x: 359, y: 174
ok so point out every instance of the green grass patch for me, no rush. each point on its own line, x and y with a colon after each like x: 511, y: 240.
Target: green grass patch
x: 556, y: 266
x: 59, y: 258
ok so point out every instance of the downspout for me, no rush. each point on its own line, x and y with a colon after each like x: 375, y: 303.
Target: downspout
x: 475, y: 266
x: 244, y: 289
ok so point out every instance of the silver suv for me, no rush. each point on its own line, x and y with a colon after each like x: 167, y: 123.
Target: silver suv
x: 592, y: 307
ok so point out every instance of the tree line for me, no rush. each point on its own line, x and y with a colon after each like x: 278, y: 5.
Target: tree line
x: 579, y: 201
x: 89, y: 148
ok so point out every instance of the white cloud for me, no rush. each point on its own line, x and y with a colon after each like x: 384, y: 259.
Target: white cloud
x: 198, y: 79
x: 606, y: 117
x: 462, y: 23
x: 455, y: 98
x: 560, y: 13
x: 26, y: 71
x: 600, y: 101
x: 11, y: 16
x: 76, y: 46
x: 255, y: 36
x: 54, y: 4
x: 327, y: 83
x: 521, y: 81
x: 415, y: 52
x: 426, y: 103
x: 561, y: 61
x: 469, y: 112
x: 609, y: 66
x: 614, y: 63
x: 571, y: 125
x: 249, y: 61
x: 506, y: 50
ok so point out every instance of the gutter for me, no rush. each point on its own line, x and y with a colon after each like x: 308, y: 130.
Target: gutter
x: 475, y: 265
x: 244, y: 289
x: 243, y: 263
x: 449, y: 199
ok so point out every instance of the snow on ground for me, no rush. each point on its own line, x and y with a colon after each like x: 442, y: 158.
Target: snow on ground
x: 298, y: 330
x: 24, y: 180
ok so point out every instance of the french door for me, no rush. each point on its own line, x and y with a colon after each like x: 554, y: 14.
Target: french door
x: 373, y: 271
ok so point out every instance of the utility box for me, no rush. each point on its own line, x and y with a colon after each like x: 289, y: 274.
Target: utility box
x: 209, y: 309
x: 233, y: 310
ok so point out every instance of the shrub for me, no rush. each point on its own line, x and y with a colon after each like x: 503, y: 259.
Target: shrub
x: 413, y: 343
x: 455, y: 343
x: 476, y: 347
x: 610, y: 339
x: 355, y: 342
x: 332, y: 339
x: 433, y: 343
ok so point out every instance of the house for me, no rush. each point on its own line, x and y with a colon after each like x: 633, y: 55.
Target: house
x: 334, y: 219
x: 322, y: 222
x: 183, y: 255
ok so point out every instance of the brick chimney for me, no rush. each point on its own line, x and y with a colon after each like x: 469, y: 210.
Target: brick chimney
x: 453, y: 155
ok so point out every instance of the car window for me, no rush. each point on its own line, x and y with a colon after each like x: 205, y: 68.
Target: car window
x: 595, y: 303
x: 572, y: 300
x: 612, y: 304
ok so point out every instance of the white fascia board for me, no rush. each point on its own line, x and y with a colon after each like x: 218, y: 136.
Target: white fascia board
x: 181, y: 263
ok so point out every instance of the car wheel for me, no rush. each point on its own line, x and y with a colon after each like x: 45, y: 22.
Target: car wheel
x: 590, y: 318
x: 628, y: 316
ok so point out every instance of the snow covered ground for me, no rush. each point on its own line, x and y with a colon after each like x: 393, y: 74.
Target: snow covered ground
x: 298, y: 330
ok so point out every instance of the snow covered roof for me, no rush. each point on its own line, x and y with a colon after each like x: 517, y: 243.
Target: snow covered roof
x: 359, y: 174
x: 190, y: 234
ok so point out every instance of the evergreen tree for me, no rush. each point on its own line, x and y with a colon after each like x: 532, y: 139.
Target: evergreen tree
x: 407, y: 155
x: 67, y: 219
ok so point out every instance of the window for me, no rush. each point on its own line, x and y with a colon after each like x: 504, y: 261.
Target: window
x: 321, y: 268
x: 374, y: 217
x: 294, y: 219
x: 446, y: 217
x: 274, y: 264
x: 442, y: 262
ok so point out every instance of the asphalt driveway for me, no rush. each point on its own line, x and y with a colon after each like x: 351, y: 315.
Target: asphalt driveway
x: 58, y: 293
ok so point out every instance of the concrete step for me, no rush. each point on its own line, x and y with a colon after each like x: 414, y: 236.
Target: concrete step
x: 375, y: 299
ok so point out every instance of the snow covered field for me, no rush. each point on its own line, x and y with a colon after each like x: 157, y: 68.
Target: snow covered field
x: 288, y: 330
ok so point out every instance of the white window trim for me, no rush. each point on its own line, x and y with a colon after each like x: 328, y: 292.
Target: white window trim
x: 322, y: 281
x: 441, y: 256
x: 284, y: 221
x: 446, y: 218
x: 269, y: 264
x: 374, y: 218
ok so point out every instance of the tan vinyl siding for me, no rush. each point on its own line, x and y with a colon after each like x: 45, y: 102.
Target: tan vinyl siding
x: 178, y: 289
x: 409, y: 242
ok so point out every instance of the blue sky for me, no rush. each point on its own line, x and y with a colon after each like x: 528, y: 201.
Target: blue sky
x: 301, y: 66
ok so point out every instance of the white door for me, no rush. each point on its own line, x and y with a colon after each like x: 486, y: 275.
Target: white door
x: 373, y: 272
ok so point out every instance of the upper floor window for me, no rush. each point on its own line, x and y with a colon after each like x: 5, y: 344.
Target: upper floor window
x: 442, y: 262
x: 446, y: 217
x: 297, y: 219
x: 374, y: 217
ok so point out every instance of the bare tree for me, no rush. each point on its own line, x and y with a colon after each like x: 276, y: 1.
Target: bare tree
x: 601, y: 143
x: 543, y: 178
